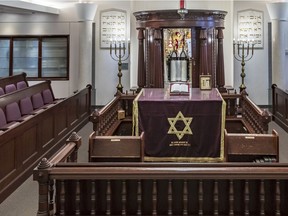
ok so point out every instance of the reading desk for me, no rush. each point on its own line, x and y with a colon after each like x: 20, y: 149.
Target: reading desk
x: 180, y: 128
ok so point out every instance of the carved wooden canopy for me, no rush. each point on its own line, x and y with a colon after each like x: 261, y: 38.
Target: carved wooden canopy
x: 206, y: 44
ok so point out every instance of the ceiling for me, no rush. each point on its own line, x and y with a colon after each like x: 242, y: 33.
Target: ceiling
x: 30, y: 7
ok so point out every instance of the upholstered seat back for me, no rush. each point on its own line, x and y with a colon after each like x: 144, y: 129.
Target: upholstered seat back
x: 21, y: 85
x: 13, y: 112
x: 3, y: 120
x: 1, y: 91
x: 26, y: 106
x: 37, y: 101
x: 10, y: 88
x: 47, y: 96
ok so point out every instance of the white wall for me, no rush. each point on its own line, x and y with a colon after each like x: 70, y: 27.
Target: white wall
x: 45, y: 24
x: 256, y: 69
x: 106, y: 68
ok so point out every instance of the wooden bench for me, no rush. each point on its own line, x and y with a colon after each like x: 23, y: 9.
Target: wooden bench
x: 261, y: 148
x: 12, y: 104
x: 19, y: 81
x: 137, y: 188
x: 116, y: 148
x: 22, y: 146
x: 280, y: 106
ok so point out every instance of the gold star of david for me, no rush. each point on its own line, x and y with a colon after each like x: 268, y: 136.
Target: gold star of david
x: 180, y: 117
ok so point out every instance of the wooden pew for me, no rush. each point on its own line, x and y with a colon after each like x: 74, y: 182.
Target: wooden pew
x: 252, y: 147
x: 23, y: 146
x: 280, y: 106
x: 27, y: 92
x: 137, y: 188
x: 4, y: 81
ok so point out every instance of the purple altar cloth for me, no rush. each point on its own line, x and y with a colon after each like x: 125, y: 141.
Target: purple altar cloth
x: 181, y: 128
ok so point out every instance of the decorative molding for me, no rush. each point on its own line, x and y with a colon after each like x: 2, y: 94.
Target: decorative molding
x: 198, y: 15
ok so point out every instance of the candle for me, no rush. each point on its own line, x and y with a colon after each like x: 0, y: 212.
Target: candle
x: 124, y: 47
x: 181, y: 4
x: 110, y: 46
x: 120, y: 48
x: 115, y: 48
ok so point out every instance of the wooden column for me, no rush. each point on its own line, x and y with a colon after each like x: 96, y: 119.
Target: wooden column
x: 141, y: 63
x: 41, y: 175
x: 158, y: 77
x: 220, y: 72
x: 203, y: 69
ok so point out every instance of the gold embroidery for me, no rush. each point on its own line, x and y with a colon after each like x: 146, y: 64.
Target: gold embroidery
x: 180, y: 117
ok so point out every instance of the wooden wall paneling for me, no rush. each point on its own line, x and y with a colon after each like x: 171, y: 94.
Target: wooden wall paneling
x: 46, y: 130
x: 26, y: 145
x: 60, y: 115
x: 7, y: 159
x: 73, y: 113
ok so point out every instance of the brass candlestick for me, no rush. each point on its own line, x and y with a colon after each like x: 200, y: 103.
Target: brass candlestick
x: 118, y: 53
x: 243, y: 57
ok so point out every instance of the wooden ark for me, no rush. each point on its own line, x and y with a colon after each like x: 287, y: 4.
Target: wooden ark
x: 206, y: 45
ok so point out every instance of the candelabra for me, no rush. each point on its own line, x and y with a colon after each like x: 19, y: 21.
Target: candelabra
x: 243, y: 56
x: 118, y: 53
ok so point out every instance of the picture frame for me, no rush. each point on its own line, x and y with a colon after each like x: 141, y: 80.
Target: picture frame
x: 113, y: 27
x: 205, y: 82
x: 251, y: 27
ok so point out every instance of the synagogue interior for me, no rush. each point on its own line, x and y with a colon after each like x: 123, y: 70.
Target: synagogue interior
x: 132, y: 107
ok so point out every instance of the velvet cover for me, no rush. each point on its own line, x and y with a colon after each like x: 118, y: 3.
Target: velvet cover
x: 181, y: 128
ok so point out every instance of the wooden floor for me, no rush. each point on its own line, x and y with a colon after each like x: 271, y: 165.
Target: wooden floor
x: 23, y: 202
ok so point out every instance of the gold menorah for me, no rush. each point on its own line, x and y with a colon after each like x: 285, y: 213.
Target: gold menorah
x: 243, y: 56
x: 118, y: 53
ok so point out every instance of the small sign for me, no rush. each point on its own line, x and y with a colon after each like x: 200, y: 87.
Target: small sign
x: 205, y: 82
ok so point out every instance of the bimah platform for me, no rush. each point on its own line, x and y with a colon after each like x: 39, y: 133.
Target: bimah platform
x: 180, y: 128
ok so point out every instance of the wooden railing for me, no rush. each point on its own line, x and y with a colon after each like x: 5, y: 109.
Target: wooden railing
x: 105, y: 121
x: 241, y: 107
x: 69, y: 188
